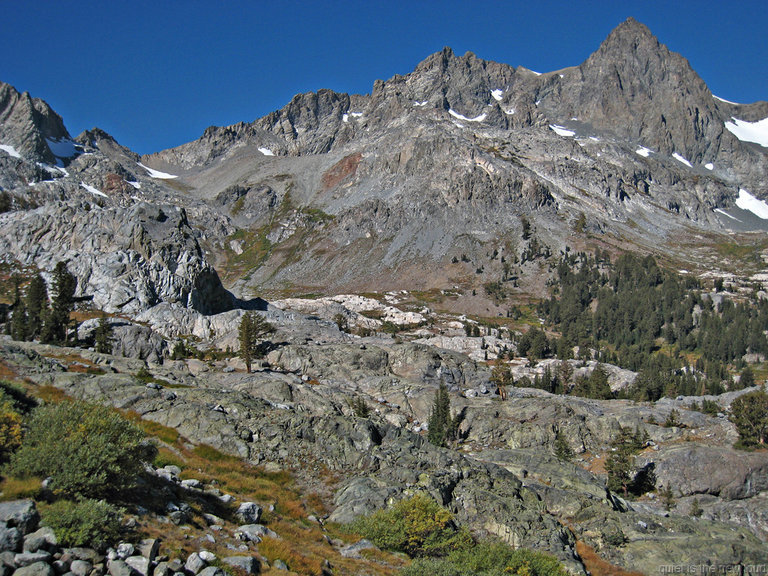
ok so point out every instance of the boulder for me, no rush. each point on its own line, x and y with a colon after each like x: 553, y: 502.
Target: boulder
x: 42, y: 539
x: 249, y: 512
x: 80, y: 567
x: 149, y: 548
x: 21, y: 514
x: 120, y: 568
x: 353, y: 550
x: 212, y: 571
x: 125, y: 549
x: 28, y: 558
x: 247, y: 564
x: 10, y: 539
x: 253, y: 532
x: 35, y: 569
x: 140, y: 564
x: 194, y: 563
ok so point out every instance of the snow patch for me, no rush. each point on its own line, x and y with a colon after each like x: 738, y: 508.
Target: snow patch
x: 643, y: 151
x: 724, y: 213
x: 12, y: 152
x: 345, y: 117
x: 421, y: 103
x: 136, y: 185
x: 679, y: 158
x: 157, y: 174
x: 594, y: 138
x: 756, y: 132
x: 497, y: 94
x: 63, y: 148
x: 266, y: 151
x: 748, y: 202
x: 461, y: 117
x: 93, y: 190
x: 561, y: 130
x: 724, y: 100
x: 509, y: 111
x: 53, y: 169
x: 709, y: 166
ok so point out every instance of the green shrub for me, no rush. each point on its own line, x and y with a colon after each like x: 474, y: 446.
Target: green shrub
x: 488, y: 559
x: 418, y: 526
x: 88, y: 451
x: 10, y: 428
x: 92, y: 523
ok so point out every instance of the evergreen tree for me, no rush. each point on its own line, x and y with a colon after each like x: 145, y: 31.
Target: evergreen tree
x: 253, y: 327
x: 442, y: 428
x: 103, y: 336
x: 696, y: 510
x: 501, y: 375
x: 56, y: 322
x: 620, y: 464
x: 37, y: 302
x: 747, y: 378
x: 18, y: 324
x: 749, y: 413
x: 667, y: 498
x: 562, y: 448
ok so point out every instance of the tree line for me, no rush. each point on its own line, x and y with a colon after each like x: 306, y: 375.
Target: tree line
x: 642, y: 317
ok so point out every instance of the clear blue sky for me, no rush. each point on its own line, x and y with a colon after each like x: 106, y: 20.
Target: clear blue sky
x: 156, y: 74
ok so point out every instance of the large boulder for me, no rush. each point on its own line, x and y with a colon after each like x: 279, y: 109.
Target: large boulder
x: 21, y: 514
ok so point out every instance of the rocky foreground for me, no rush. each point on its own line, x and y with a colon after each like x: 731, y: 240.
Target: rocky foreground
x: 502, y: 478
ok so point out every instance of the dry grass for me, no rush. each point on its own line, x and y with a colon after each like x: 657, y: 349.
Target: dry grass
x: 18, y: 488
x: 49, y: 394
x: 596, y: 566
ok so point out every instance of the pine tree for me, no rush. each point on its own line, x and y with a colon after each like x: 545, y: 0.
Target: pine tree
x: 103, y: 336
x: 253, y: 327
x: 562, y: 448
x: 18, y: 323
x: 749, y: 413
x: 667, y: 498
x: 620, y: 464
x: 747, y: 378
x: 56, y: 323
x: 696, y: 510
x: 442, y: 428
x: 37, y: 303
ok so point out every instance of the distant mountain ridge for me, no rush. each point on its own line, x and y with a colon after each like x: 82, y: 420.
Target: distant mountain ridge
x: 456, y: 158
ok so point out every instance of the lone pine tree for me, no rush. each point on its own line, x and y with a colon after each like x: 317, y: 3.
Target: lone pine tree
x: 253, y: 328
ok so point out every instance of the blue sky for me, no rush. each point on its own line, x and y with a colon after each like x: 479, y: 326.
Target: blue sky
x: 156, y: 74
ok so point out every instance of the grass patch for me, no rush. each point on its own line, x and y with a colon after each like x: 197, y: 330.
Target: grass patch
x: 13, y: 488
x: 163, y: 433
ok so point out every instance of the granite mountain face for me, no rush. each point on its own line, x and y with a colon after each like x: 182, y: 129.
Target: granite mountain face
x: 457, y: 176
x: 356, y: 192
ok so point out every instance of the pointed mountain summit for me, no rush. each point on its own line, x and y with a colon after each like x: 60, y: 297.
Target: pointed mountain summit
x: 32, y: 127
x: 636, y: 88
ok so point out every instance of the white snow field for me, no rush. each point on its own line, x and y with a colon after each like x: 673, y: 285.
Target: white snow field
x: 756, y: 132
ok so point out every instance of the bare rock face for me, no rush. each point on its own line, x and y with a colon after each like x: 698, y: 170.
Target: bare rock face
x: 126, y: 259
x: 30, y: 125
